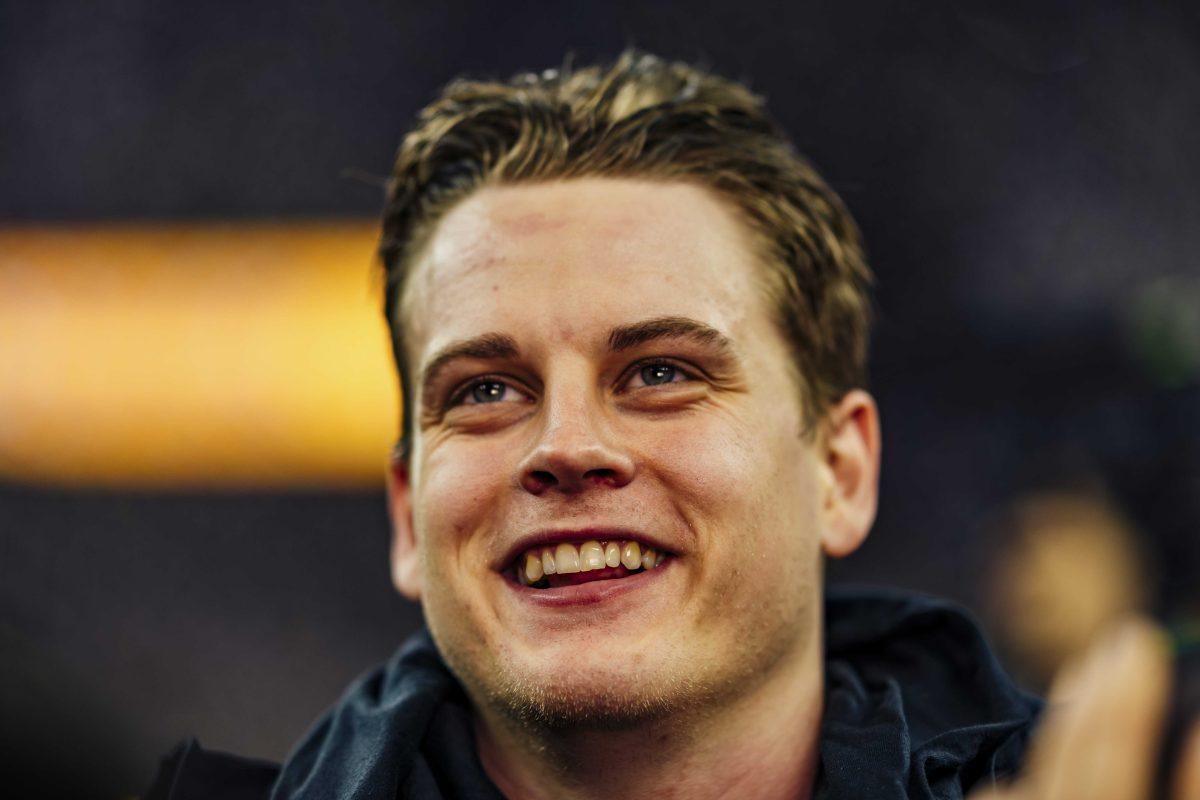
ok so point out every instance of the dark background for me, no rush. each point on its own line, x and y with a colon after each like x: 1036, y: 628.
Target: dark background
x: 1025, y: 175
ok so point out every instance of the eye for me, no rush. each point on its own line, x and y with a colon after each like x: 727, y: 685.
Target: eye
x: 486, y: 390
x: 657, y: 374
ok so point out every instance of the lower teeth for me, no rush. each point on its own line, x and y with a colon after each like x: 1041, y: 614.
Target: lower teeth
x: 544, y: 582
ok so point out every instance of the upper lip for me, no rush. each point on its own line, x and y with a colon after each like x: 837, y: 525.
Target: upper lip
x: 548, y: 536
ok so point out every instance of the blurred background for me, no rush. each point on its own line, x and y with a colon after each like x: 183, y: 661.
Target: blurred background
x: 196, y: 401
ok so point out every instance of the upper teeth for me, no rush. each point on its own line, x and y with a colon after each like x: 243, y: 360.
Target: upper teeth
x: 566, y: 558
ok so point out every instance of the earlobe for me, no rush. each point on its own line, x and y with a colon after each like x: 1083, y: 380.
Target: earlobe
x: 406, y: 562
x: 851, y: 450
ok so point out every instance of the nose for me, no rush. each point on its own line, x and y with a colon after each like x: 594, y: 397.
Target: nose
x: 574, y: 452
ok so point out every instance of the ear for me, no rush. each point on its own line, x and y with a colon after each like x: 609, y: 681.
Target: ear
x: 851, y: 447
x: 406, y: 562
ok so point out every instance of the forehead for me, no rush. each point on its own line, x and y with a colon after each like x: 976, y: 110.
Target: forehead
x: 567, y: 260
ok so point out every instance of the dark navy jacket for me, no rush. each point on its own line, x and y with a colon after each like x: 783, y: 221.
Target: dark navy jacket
x: 916, y: 706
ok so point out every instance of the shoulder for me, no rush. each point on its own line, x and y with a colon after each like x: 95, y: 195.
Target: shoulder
x: 190, y: 772
x: 911, y: 679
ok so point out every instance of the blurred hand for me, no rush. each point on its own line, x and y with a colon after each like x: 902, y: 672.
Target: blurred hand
x: 1103, y: 727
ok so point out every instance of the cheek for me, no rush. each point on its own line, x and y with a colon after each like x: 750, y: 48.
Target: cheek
x: 705, y: 459
x: 749, y: 495
x: 460, y: 491
x: 454, y: 512
x: 735, y: 466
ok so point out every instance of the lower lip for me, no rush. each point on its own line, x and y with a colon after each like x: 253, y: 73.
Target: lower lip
x: 592, y: 592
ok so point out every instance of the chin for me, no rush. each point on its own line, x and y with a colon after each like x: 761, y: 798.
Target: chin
x: 594, y: 689
x: 596, y: 699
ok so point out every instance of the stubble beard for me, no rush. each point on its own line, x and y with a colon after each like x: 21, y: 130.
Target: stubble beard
x: 611, y: 694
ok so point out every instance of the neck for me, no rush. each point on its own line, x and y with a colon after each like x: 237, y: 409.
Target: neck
x: 758, y: 746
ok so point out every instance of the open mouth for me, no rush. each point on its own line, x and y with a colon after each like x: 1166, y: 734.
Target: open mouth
x: 569, y: 564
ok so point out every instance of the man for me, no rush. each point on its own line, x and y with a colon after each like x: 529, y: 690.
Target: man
x: 631, y: 328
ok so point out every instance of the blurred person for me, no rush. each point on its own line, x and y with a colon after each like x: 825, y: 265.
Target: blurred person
x: 1071, y: 567
x: 630, y: 324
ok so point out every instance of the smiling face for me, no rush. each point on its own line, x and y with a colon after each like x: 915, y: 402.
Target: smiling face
x: 595, y: 362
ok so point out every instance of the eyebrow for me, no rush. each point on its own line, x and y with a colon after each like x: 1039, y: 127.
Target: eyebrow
x: 626, y: 337
x: 489, y: 346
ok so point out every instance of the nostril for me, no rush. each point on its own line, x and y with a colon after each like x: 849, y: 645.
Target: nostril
x: 539, y: 480
x: 603, y: 476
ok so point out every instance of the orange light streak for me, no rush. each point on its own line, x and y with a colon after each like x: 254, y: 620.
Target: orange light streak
x: 188, y: 355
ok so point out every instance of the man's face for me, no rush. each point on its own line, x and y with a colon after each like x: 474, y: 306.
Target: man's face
x: 618, y: 378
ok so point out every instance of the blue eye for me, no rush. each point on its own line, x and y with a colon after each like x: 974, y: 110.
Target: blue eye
x: 488, y: 392
x: 655, y: 374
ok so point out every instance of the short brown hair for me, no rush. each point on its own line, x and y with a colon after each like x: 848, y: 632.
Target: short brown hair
x: 643, y: 117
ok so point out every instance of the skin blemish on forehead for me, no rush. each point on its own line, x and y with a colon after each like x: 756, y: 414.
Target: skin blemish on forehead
x: 526, y: 224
